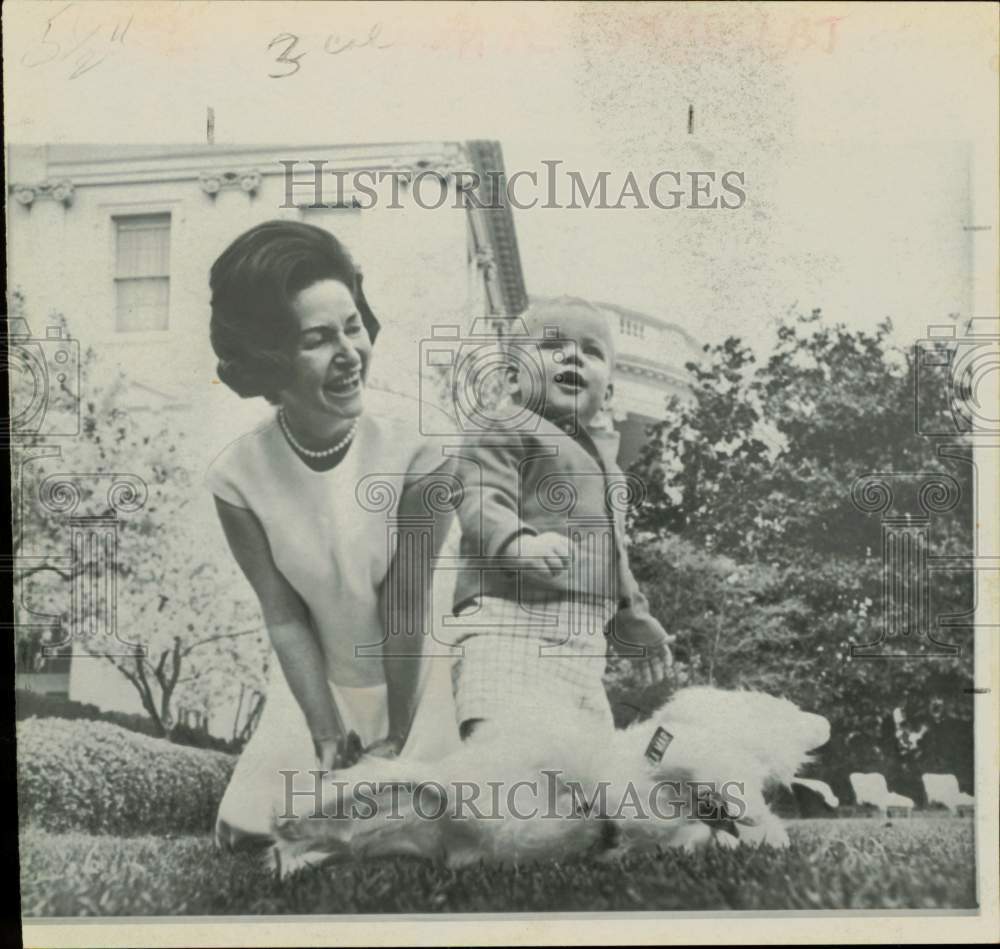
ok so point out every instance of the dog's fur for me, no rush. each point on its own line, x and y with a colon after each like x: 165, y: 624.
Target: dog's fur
x: 748, y: 738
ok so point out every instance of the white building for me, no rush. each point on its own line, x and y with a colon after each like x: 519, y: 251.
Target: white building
x: 119, y: 241
x: 652, y: 354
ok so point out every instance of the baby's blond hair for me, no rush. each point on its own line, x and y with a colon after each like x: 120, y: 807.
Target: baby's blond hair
x: 558, y: 309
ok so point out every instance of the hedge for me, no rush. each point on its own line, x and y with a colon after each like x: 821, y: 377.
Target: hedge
x: 29, y: 704
x: 99, y: 778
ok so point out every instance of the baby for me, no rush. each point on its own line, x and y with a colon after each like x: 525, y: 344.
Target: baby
x: 545, y: 584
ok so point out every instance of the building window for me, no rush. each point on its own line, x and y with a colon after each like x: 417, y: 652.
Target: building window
x: 142, y: 272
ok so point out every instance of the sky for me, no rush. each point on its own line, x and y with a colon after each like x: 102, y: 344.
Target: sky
x: 866, y: 132
x: 870, y: 171
x: 863, y: 239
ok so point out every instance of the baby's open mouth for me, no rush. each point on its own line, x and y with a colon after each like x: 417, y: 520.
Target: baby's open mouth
x: 571, y: 379
x: 345, y: 384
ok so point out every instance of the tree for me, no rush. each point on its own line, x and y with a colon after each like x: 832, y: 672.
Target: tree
x: 760, y: 463
x: 758, y: 468
x: 178, y: 598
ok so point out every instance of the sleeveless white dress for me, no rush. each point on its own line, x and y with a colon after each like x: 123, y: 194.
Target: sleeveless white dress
x: 328, y: 533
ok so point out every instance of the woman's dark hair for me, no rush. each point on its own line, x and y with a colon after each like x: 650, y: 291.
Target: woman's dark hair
x: 253, y: 284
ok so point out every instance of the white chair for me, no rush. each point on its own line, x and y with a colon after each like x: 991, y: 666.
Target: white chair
x: 822, y: 789
x: 943, y: 789
x: 872, y: 790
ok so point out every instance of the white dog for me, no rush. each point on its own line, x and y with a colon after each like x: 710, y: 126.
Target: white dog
x: 694, y: 772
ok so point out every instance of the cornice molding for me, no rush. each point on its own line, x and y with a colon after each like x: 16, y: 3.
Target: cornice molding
x: 146, y: 166
x: 59, y: 189
x: 486, y: 157
x: 648, y: 370
x: 248, y: 180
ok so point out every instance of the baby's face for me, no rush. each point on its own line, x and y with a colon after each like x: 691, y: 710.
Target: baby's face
x: 578, y: 357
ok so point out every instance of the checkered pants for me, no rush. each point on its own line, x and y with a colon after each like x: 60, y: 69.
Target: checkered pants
x: 531, y: 659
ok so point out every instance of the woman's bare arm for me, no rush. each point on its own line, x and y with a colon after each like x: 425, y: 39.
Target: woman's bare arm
x: 287, y: 620
x: 405, y: 601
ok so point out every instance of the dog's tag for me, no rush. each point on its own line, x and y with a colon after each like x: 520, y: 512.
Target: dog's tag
x: 658, y: 744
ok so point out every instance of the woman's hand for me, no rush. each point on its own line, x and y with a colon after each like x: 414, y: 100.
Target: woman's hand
x: 388, y: 747
x: 343, y: 751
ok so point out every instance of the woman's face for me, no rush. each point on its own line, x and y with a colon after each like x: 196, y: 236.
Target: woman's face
x: 331, y: 354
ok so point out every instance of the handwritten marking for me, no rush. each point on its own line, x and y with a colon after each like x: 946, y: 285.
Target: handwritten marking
x: 373, y: 34
x: 283, y: 56
x: 210, y: 125
x: 45, y: 41
x: 334, y: 45
x: 60, y: 40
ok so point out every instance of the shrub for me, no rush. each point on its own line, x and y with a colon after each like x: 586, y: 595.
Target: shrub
x: 786, y: 628
x: 30, y: 704
x: 100, y: 778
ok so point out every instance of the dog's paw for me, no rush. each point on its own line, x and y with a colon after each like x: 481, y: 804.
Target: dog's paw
x: 287, y: 858
x: 765, y: 830
x: 692, y: 835
x: 726, y: 840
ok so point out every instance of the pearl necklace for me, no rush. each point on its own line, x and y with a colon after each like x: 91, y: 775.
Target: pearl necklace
x: 326, y: 453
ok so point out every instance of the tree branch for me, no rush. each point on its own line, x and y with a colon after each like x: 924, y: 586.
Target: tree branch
x: 175, y: 663
x: 128, y: 675
x: 145, y: 692
x: 167, y: 687
x: 218, y: 636
x: 158, y: 671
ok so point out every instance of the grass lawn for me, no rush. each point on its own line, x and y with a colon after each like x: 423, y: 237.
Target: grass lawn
x: 856, y: 863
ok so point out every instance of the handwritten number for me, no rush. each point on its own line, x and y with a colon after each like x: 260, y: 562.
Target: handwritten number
x: 70, y: 52
x: 284, y: 57
x: 82, y: 48
x: 85, y: 62
x: 45, y: 41
x: 335, y: 44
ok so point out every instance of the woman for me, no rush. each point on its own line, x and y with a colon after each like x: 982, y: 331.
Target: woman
x: 290, y: 323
